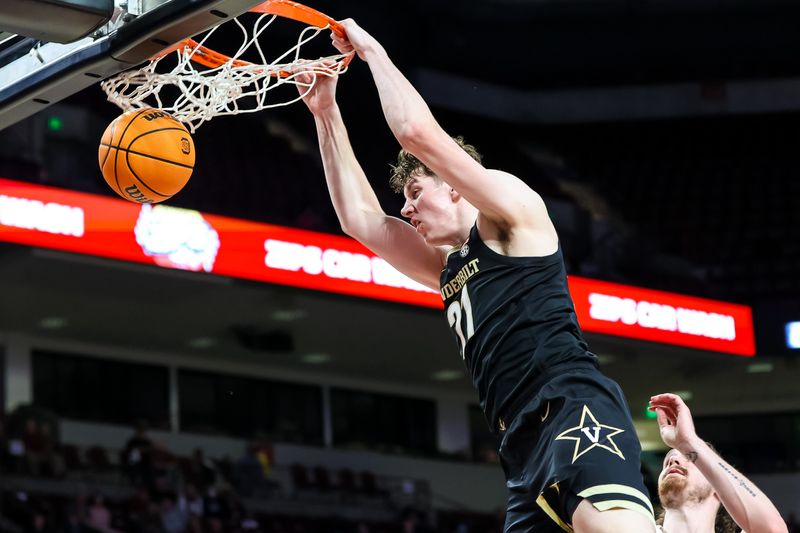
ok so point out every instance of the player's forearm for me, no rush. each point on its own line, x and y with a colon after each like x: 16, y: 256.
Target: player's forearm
x: 406, y: 112
x: 747, y: 505
x: 351, y: 194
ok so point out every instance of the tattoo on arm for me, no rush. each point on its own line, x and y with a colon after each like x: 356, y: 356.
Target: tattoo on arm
x: 740, y: 481
x: 691, y: 456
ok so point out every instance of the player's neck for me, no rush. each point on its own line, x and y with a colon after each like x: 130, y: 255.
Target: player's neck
x: 691, y: 518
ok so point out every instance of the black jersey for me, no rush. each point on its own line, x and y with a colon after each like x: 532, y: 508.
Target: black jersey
x: 513, y: 319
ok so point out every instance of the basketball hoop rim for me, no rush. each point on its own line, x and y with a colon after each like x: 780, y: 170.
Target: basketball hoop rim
x: 281, y: 8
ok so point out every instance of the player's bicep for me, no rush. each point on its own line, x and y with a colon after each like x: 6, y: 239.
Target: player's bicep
x: 399, y: 244
x: 498, y: 195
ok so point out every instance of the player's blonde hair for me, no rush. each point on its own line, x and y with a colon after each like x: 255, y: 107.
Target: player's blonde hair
x: 409, y: 166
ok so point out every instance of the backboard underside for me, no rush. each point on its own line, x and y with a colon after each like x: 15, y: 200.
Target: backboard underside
x: 34, y: 75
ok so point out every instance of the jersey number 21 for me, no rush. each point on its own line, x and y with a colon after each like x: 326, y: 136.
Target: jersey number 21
x: 464, y: 328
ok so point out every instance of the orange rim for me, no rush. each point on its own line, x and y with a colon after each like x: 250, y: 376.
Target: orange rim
x: 282, y: 8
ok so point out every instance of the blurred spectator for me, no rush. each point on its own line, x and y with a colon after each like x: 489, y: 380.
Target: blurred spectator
x: 194, y: 508
x: 413, y: 521
x: 39, y: 524
x: 33, y: 442
x: 73, y: 523
x: 215, y: 508
x: 200, y: 472
x: 253, y: 470
x: 163, y: 469
x: 137, y: 457
x: 50, y: 463
x: 98, y: 515
x: 138, y: 509
x: 174, y: 518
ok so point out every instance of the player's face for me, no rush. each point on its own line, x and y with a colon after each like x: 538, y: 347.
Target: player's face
x: 430, y: 208
x: 680, y: 481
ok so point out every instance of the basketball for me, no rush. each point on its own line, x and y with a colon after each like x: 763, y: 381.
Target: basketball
x: 146, y: 156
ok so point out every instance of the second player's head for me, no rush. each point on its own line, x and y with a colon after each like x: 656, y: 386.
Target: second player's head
x: 437, y: 211
x: 680, y: 482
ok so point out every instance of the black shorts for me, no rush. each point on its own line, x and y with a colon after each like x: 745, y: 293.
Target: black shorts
x: 574, y: 440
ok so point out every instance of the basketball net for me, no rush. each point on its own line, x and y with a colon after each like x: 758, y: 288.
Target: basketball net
x: 227, y: 85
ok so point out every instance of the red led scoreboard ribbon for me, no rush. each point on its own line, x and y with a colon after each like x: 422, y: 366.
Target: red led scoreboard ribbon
x: 83, y: 223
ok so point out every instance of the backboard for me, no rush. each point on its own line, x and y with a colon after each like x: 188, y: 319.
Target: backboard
x: 36, y: 74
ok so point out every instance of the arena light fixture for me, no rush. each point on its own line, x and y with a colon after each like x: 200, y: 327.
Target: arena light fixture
x: 316, y: 358
x: 53, y: 322
x: 288, y: 315
x: 447, y: 374
x: 793, y: 335
x: 759, y: 368
x: 201, y: 343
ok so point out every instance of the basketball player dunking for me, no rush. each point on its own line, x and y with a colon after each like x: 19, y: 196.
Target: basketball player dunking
x: 484, y: 239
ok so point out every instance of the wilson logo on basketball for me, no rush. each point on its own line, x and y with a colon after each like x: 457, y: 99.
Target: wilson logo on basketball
x: 186, y: 147
x: 137, y: 195
x: 152, y: 116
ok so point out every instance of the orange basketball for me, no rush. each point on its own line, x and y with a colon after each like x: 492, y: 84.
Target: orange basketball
x: 146, y: 156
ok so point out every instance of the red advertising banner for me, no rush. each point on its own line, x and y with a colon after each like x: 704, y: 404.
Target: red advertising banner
x: 178, y: 238
x: 665, y: 317
x: 53, y: 218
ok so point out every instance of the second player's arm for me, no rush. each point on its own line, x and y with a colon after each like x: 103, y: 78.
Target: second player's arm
x: 748, y: 506
x: 360, y: 213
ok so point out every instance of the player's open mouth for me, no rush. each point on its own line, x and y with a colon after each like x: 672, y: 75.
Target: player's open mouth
x: 676, y: 470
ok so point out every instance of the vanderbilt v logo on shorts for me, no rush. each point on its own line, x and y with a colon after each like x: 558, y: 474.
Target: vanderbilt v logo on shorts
x: 590, y: 434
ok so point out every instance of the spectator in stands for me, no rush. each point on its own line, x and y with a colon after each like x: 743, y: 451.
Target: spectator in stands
x: 138, y: 509
x: 200, y: 472
x: 33, y: 440
x: 413, y: 521
x: 137, y: 457
x: 73, y: 524
x: 215, y: 509
x: 194, y: 507
x: 696, y: 483
x: 50, y: 463
x: 174, y: 517
x: 249, y: 473
x: 39, y: 524
x: 253, y: 469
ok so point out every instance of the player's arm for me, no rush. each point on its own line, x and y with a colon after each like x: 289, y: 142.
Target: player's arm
x: 499, y: 196
x: 356, y: 205
x: 748, y: 506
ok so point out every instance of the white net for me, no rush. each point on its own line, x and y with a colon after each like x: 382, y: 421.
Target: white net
x: 233, y: 87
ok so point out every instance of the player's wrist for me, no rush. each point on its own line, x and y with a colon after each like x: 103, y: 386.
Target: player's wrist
x: 373, y: 51
x: 693, y: 448
x: 326, y: 112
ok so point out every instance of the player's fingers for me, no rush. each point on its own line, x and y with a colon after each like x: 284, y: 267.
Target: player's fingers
x: 661, y: 417
x: 673, y: 401
x: 343, y: 45
x: 664, y: 398
x: 667, y: 410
